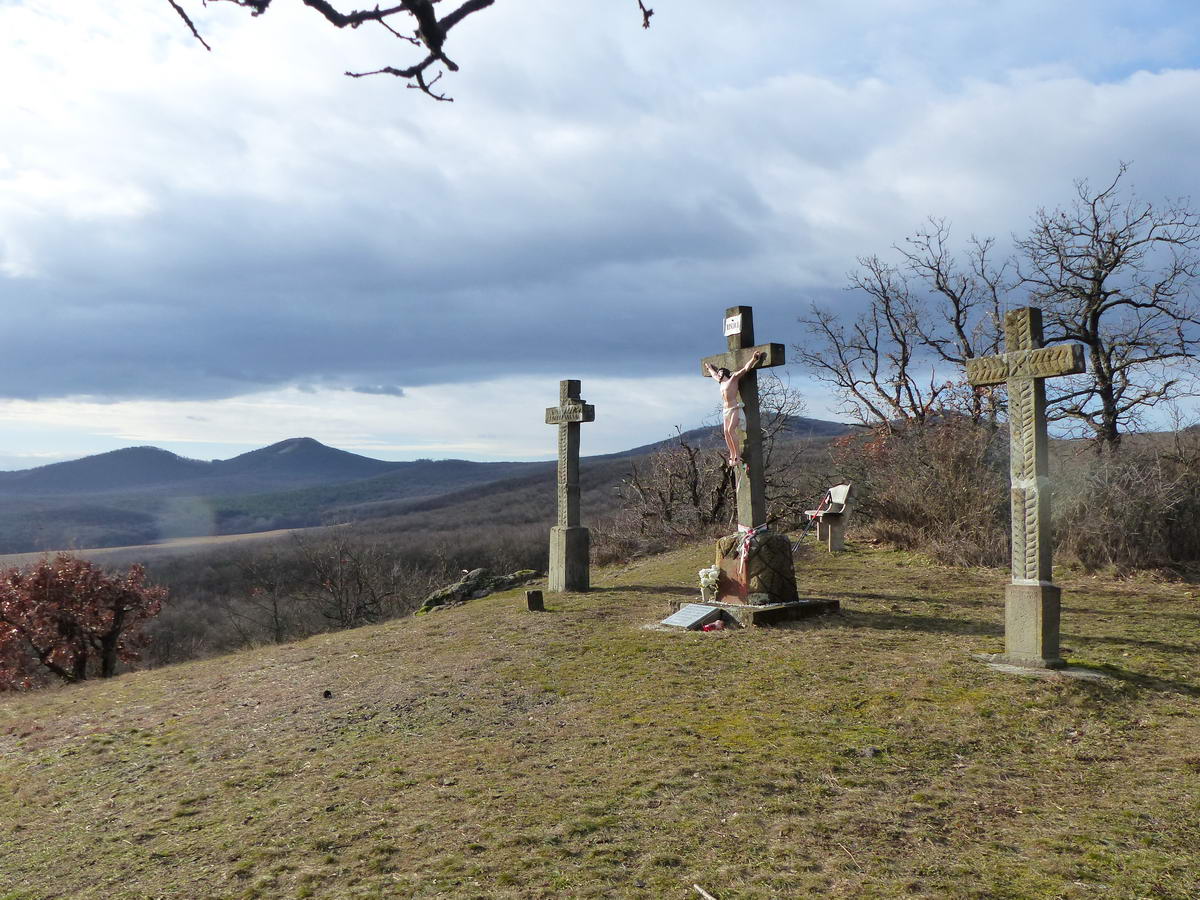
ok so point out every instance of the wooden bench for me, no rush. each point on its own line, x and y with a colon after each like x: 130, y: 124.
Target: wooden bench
x: 831, y: 515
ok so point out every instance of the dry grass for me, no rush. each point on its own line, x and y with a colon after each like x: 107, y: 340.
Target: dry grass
x: 486, y: 751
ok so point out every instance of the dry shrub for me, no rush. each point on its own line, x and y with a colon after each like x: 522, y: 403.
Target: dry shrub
x: 1134, y: 508
x: 941, y: 488
x: 622, y: 537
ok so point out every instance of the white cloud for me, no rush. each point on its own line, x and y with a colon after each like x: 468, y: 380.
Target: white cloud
x: 496, y: 419
x: 221, y: 228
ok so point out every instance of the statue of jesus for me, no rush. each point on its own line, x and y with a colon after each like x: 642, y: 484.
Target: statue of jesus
x: 732, y: 408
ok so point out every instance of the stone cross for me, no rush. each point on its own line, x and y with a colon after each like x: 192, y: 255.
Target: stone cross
x: 569, y: 543
x: 1031, y: 602
x: 751, y: 487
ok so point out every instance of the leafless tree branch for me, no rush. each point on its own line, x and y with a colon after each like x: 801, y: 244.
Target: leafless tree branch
x: 431, y: 32
x: 1111, y: 272
x: 187, y: 21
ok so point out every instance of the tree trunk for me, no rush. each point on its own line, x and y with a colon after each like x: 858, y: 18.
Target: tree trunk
x: 108, y: 644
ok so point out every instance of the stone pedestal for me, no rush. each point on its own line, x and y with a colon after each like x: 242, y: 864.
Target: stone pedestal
x: 771, y: 577
x: 1031, y: 613
x: 569, y: 546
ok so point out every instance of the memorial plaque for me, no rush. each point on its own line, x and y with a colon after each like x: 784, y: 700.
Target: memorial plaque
x: 692, y: 616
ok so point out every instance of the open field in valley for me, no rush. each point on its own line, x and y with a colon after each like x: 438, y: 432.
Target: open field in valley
x: 119, y: 556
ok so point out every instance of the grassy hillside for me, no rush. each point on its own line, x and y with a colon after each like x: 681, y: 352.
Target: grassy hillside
x: 486, y: 751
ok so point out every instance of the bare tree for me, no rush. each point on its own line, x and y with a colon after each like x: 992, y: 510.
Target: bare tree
x: 269, y: 604
x: 1117, y: 275
x: 876, y: 362
x: 350, y: 583
x: 682, y: 489
x: 966, y: 309
x: 1113, y: 273
x: 687, y: 489
x: 429, y: 36
x: 788, y: 494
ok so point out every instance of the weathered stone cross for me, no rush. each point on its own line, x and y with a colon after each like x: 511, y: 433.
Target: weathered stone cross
x: 1031, y: 602
x: 739, y: 329
x: 568, y: 541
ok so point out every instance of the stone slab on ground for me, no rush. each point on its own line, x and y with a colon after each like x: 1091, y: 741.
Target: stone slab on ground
x: 746, y: 616
x: 691, y: 616
x: 997, y: 662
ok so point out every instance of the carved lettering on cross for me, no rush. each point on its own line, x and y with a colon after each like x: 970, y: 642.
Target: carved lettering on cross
x: 571, y: 411
x: 739, y: 331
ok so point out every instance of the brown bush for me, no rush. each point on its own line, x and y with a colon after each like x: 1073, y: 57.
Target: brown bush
x: 941, y: 488
x: 1134, y: 508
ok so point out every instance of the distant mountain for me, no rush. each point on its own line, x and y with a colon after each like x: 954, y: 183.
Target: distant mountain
x: 294, y: 463
x: 144, y: 494
x: 300, y: 461
x: 351, y: 500
x: 132, y: 467
x: 798, y: 428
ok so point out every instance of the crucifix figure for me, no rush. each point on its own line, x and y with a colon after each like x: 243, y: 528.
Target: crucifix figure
x: 733, y: 420
x: 745, y: 359
x: 1031, y: 601
x: 755, y: 565
x: 569, y: 542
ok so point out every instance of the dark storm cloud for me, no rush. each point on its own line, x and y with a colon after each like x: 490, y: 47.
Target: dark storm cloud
x: 380, y: 390
x: 220, y: 233
x: 209, y: 298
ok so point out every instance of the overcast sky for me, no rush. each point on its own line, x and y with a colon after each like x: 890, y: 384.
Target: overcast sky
x: 210, y: 252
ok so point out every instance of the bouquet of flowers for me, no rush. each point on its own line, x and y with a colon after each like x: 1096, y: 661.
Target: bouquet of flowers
x: 708, y: 578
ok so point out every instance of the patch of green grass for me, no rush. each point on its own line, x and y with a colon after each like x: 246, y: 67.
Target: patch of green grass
x: 486, y: 752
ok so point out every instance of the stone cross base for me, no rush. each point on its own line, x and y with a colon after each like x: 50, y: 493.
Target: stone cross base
x: 569, y: 548
x: 771, y: 576
x: 1031, y: 613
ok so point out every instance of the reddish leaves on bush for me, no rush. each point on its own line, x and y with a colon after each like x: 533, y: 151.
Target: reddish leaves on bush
x: 70, y: 618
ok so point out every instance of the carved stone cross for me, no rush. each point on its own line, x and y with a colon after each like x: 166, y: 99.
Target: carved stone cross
x: 1031, y: 602
x: 739, y: 329
x: 569, y: 543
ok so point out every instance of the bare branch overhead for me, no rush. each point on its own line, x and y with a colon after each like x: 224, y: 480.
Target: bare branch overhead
x: 430, y: 33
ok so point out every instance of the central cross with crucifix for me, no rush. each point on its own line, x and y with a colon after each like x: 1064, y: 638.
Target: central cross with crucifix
x: 755, y: 566
x: 1031, y: 602
x: 569, y: 543
x: 751, y: 486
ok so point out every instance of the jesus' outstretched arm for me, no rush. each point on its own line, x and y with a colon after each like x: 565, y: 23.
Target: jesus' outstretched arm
x: 750, y: 364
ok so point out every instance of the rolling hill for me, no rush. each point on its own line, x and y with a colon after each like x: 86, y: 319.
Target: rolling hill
x: 140, y: 495
x: 297, y: 462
